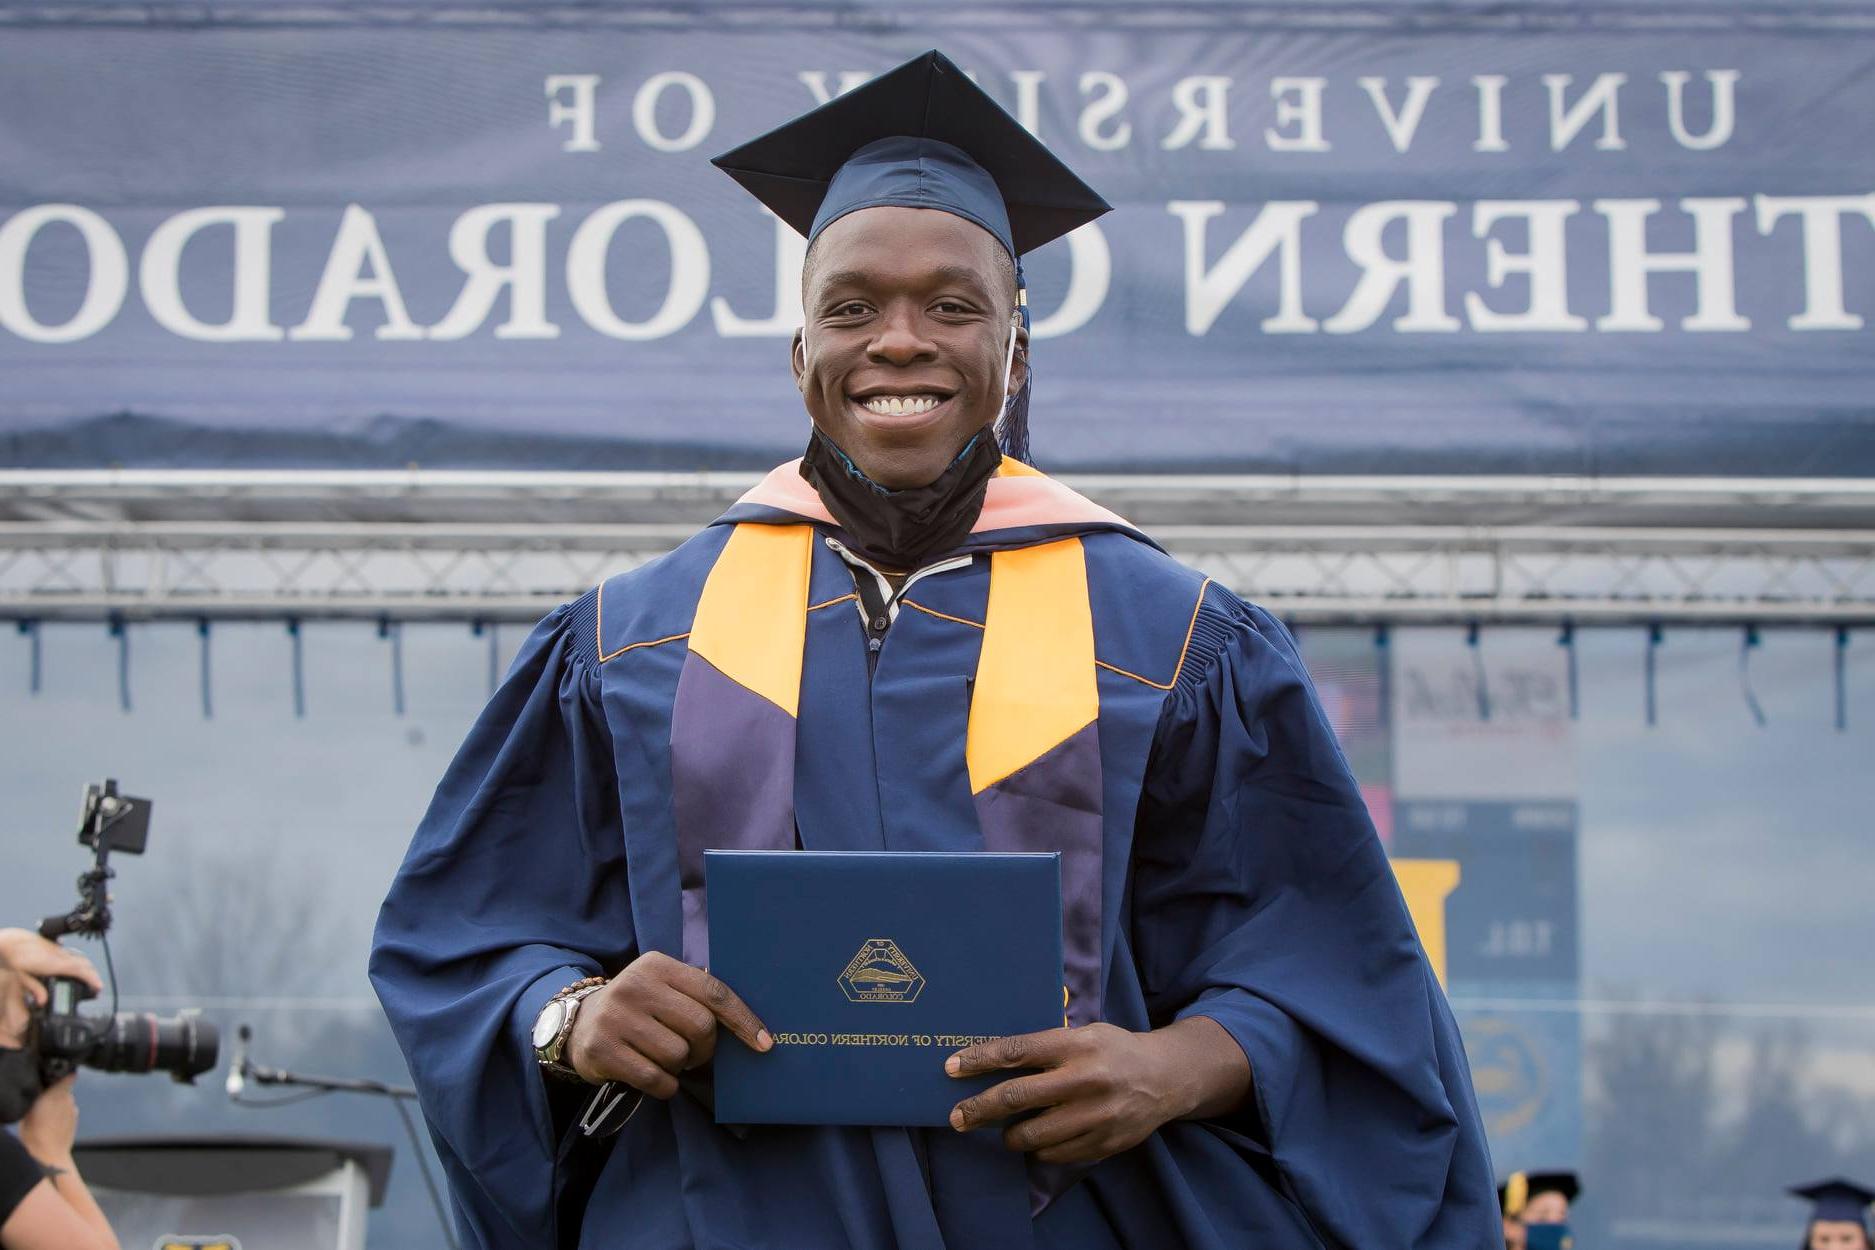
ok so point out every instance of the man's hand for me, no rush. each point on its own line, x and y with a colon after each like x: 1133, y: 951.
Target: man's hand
x: 33, y: 957
x: 1101, y: 1089
x: 654, y: 1020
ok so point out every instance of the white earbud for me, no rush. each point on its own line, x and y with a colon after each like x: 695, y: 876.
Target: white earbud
x: 1009, y: 360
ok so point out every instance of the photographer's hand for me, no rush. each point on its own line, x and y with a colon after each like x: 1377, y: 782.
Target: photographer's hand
x: 33, y: 957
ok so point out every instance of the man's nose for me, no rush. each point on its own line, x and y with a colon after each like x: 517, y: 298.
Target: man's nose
x: 901, y: 340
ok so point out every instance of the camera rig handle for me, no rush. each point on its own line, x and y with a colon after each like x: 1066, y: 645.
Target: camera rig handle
x: 92, y: 916
x: 109, y: 821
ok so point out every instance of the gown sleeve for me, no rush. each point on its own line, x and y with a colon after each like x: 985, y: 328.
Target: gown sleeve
x: 513, y: 888
x: 1262, y: 898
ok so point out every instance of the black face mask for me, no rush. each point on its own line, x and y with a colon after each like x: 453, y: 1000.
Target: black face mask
x: 20, y: 1083
x: 901, y: 529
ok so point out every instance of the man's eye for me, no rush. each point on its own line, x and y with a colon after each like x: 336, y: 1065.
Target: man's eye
x: 952, y: 306
x: 852, y: 308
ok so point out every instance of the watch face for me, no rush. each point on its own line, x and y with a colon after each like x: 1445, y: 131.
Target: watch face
x: 547, y: 1024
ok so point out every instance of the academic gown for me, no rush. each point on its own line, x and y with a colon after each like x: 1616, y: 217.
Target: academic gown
x: 1254, y: 891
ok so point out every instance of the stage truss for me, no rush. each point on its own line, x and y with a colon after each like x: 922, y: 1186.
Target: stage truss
x: 482, y: 546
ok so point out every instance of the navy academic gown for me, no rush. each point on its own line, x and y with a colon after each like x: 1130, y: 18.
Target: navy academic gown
x: 1254, y: 891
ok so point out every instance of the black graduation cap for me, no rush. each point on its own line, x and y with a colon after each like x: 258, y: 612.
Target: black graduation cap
x: 1835, y: 1199
x: 922, y: 136
x: 1515, y: 1193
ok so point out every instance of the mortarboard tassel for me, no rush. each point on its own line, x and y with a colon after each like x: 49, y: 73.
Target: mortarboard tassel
x: 116, y: 625
x: 1842, y: 678
x: 1654, y: 638
x: 208, y: 700
x: 34, y: 670
x: 393, y: 632
x: 1567, y: 641
x: 1012, y: 428
x: 1477, y: 665
x: 299, y: 667
x: 1747, y: 645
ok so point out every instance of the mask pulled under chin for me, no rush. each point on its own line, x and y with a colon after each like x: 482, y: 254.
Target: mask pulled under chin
x: 901, y: 529
x: 20, y: 1083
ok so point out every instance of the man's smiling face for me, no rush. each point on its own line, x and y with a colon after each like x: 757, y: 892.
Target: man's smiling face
x: 908, y: 314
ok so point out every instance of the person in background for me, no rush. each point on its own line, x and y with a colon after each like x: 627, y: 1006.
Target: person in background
x: 1838, y: 1214
x: 44, y: 1204
x: 1536, y: 1209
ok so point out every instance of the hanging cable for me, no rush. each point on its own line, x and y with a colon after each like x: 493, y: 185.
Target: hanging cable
x: 1654, y: 638
x: 1477, y: 668
x: 299, y: 667
x: 1383, y: 713
x: 492, y: 631
x: 1567, y: 641
x: 208, y: 695
x: 34, y: 670
x: 1746, y: 646
x: 393, y: 632
x: 119, y: 632
x: 1842, y: 678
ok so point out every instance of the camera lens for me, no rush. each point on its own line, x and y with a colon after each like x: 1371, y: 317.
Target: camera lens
x: 184, y: 1046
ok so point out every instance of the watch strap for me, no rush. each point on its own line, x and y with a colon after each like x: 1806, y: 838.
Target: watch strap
x: 551, y: 1056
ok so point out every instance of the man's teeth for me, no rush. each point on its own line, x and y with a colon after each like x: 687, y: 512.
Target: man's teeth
x: 900, y: 405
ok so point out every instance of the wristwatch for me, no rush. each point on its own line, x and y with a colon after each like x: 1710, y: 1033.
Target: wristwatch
x: 554, y: 1025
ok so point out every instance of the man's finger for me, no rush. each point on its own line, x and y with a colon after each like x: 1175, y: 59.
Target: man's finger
x: 683, y: 1015
x: 658, y: 1044
x: 1055, y: 1126
x: 1023, y: 1050
x: 1089, y: 1147
x: 726, y: 1005
x: 34, y: 990
x: 1007, y: 1098
x: 621, y: 1063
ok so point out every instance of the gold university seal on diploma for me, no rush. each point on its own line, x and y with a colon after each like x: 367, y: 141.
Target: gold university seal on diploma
x: 880, y: 973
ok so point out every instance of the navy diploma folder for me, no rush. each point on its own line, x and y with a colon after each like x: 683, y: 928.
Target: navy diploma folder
x: 870, y: 969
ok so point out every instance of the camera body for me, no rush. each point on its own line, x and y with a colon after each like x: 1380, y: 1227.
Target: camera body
x: 184, y: 1045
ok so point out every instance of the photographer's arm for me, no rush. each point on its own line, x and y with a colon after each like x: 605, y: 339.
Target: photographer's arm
x: 59, y: 1212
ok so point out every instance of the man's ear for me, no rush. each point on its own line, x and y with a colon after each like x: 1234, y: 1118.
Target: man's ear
x: 797, y: 360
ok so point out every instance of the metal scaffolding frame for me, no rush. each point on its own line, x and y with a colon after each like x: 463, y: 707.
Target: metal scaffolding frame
x: 440, y: 545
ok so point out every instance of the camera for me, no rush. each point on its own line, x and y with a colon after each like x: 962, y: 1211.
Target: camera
x: 183, y: 1045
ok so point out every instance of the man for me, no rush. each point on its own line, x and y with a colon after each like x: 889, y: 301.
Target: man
x: 44, y: 1202
x: 911, y: 641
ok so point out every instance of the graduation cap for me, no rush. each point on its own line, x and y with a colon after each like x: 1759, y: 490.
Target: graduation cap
x: 920, y: 136
x: 1835, y: 1199
x: 1515, y: 1193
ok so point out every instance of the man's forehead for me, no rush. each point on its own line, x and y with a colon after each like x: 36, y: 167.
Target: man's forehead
x: 906, y: 272
x: 894, y: 244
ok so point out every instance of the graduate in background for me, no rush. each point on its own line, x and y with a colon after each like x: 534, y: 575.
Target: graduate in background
x: 911, y: 640
x: 1536, y: 1209
x: 1838, y: 1214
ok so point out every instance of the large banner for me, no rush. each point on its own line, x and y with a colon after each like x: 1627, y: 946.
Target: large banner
x: 1400, y: 239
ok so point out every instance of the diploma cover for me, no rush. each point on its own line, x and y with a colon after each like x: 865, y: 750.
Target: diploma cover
x: 870, y: 969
